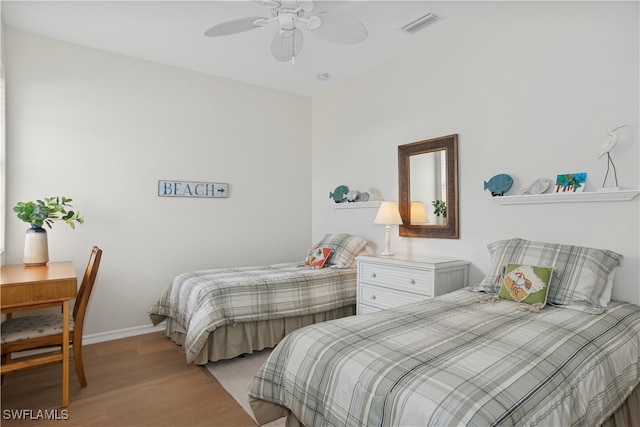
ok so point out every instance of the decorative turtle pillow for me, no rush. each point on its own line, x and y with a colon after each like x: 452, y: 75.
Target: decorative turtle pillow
x: 318, y: 256
x: 526, y: 284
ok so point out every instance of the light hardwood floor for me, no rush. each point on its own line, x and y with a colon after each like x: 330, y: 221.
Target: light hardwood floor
x: 137, y: 381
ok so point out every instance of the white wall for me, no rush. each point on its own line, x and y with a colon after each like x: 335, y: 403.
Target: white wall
x: 530, y: 90
x: 103, y: 129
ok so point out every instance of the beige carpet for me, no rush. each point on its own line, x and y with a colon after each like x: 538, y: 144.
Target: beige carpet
x: 235, y: 376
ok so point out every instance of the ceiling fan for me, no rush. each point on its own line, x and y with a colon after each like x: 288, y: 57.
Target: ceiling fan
x: 291, y: 16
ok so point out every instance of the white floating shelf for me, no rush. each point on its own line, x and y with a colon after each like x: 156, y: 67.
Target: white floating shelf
x: 356, y: 205
x: 592, y: 196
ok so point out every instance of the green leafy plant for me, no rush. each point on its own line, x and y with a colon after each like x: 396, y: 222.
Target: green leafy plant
x: 41, y: 212
x: 439, y: 208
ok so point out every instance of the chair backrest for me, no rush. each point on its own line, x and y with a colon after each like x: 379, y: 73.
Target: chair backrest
x: 82, y: 299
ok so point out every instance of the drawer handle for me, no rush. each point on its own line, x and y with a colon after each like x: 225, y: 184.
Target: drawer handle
x: 373, y: 296
x: 412, y: 281
x: 373, y: 274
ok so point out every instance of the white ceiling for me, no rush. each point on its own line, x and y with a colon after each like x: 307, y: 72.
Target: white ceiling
x: 172, y: 32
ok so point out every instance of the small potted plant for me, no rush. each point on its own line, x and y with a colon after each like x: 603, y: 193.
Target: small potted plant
x: 39, y: 213
x: 440, y: 210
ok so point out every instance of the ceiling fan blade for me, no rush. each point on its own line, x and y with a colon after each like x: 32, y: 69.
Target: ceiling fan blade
x: 338, y: 28
x: 232, y: 27
x: 306, y: 5
x: 271, y: 4
x: 325, y: 5
x: 284, y: 48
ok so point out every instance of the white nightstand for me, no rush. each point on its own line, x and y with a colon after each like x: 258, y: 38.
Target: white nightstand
x: 386, y: 282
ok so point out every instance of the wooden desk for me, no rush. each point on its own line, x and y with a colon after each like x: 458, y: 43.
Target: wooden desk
x: 29, y: 288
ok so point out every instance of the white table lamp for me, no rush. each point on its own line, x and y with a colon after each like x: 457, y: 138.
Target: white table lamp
x: 388, y: 214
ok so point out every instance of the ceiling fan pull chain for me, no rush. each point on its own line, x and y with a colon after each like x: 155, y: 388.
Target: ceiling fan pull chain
x: 293, y: 48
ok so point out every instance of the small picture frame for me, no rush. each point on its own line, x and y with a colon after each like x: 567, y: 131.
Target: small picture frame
x: 570, y: 182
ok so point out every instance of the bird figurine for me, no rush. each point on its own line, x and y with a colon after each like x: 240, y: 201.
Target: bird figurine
x: 610, y: 143
x: 606, y: 148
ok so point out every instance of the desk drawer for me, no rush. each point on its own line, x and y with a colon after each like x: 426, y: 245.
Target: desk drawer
x: 380, y: 297
x: 400, y: 278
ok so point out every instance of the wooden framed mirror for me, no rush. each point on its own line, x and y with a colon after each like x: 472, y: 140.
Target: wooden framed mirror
x: 428, y: 174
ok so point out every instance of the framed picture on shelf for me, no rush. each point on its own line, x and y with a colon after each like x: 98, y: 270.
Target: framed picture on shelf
x: 570, y: 182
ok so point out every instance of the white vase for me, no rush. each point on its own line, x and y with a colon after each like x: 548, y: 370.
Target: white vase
x: 36, y: 246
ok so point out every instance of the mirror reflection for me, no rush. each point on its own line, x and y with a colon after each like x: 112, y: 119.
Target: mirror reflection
x: 428, y: 183
x: 428, y: 188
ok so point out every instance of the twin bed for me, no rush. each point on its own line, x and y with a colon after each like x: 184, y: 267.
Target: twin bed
x: 454, y: 361
x: 469, y: 357
x: 223, y: 313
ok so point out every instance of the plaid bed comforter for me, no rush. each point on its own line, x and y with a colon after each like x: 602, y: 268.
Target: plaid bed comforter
x: 202, y: 301
x: 456, y: 361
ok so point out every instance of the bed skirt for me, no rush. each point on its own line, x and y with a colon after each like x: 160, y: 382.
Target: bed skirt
x: 626, y: 416
x: 231, y: 341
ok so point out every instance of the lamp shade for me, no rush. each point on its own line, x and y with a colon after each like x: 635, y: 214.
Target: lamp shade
x: 388, y: 213
x: 418, y: 213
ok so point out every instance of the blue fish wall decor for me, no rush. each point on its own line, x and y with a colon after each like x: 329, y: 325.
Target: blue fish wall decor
x: 339, y: 195
x: 499, y: 184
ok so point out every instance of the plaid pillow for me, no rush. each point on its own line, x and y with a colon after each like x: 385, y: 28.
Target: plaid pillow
x: 345, y: 248
x: 580, y: 273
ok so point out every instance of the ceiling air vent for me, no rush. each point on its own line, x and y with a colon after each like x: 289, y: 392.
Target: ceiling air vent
x: 419, y: 23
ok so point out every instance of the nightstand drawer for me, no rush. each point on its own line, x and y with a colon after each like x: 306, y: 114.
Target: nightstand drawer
x: 364, y: 309
x: 380, y: 297
x: 402, y: 278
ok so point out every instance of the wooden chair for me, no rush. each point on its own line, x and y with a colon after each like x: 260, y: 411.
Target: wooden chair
x: 43, y: 331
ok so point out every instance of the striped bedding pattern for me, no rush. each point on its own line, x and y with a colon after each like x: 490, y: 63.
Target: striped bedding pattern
x: 202, y: 301
x: 457, y: 361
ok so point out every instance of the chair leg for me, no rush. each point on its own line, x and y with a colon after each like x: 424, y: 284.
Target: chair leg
x: 77, y: 357
x: 6, y: 358
x: 2, y: 362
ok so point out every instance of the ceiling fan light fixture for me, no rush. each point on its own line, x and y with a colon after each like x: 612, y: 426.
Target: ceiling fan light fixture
x: 288, y: 21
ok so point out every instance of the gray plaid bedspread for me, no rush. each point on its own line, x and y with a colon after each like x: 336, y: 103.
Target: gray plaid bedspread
x: 202, y: 301
x: 456, y: 361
